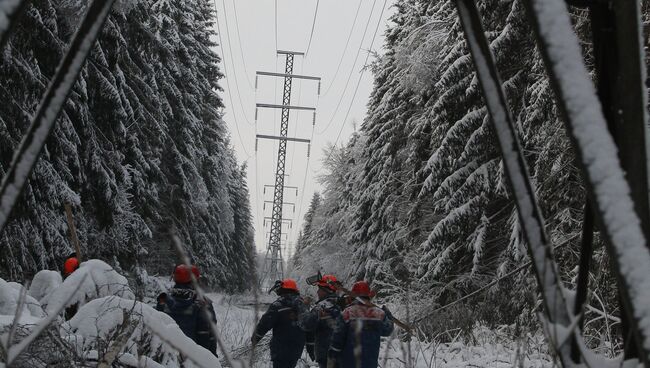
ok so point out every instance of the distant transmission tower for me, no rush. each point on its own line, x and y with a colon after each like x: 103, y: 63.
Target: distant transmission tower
x: 273, y: 261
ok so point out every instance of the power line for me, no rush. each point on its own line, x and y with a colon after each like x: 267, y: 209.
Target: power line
x: 313, y: 26
x: 225, y: 70
x: 338, y: 105
x: 304, y: 182
x: 241, y: 51
x: 359, y: 81
x: 276, y: 24
x: 241, y: 104
x: 345, y: 48
x: 304, y: 186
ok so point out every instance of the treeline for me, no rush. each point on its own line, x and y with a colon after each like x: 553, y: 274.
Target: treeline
x: 140, y: 149
x: 417, y: 200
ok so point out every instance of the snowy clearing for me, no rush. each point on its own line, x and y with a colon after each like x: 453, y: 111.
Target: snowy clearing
x: 489, y: 348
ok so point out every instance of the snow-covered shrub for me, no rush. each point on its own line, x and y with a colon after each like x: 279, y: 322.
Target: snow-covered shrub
x: 16, y: 303
x: 498, y: 348
x: 43, y: 283
x: 94, y: 279
x: 142, y: 334
x: 30, y: 310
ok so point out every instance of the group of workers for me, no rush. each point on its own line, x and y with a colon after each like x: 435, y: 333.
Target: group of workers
x: 337, y: 331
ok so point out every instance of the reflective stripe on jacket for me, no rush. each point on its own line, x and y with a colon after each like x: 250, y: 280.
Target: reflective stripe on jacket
x: 360, y: 326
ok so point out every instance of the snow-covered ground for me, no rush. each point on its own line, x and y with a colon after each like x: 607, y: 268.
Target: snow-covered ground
x: 489, y: 348
x: 110, y: 322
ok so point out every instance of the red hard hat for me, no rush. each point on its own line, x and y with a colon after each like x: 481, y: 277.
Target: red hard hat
x: 70, y: 265
x: 182, y: 274
x: 289, y: 284
x: 328, y: 282
x: 362, y: 288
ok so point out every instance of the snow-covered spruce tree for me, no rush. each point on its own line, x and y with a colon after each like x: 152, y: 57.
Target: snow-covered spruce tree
x: 305, y: 235
x: 139, y: 149
x: 428, y: 189
x: 323, y: 244
x: 384, y: 184
x: 242, y: 242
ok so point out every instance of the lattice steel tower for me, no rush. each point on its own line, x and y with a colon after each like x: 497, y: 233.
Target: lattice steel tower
x: 273, y: 262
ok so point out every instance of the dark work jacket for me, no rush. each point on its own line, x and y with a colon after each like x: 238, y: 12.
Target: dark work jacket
x: 359, y: 326
x: 319, y: 323
x: 182, y: 305
x: 288, y: 339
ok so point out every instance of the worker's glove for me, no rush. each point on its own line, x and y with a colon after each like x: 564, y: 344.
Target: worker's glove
x: 310, y: 352
x: 389, y: 315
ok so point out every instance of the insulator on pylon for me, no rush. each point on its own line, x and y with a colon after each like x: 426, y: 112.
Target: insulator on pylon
x: 256, y: 79
x: 256, y: 142
x: 256, y: 112
x: 308, y: 149
x: 296, y: 192
x: 264, y: 191
x: 264, y: 207
x: 319, y: 88
x: 314, y: 119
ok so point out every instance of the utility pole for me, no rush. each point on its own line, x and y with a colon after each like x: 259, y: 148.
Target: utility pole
x: 273, y: 261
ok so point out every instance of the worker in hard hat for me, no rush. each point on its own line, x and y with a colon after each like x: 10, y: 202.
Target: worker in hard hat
x: 320, y: 321
x: 357, y: 336
x: 183, y: 304
x: 288, y: 340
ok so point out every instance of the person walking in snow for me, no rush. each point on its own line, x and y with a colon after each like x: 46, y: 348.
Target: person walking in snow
x: 288, y: 339
x: 70, y: 265
x: 358, y: 332
x: 320, y: 321
x: 183, y: 305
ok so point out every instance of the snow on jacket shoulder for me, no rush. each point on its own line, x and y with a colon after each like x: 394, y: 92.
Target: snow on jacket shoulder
x: 288, y: 339
x: 361, y: 326
x: 319, y: 323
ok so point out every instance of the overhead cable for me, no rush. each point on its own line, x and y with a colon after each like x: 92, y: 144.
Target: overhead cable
x: 345, y: 49
x: 225, y: 69
x: 338, y: 105
x: 313, y: 26
x: 359, y: 81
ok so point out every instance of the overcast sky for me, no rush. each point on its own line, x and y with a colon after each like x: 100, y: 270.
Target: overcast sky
x: 255, y: 21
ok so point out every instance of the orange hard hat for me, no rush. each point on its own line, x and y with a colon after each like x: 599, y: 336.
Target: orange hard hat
x: 362, y: 288
x: 182, y: 274
x: 70, y: 265
x: 328, y: 282
x: 289, y: 284
x: 195, y: 271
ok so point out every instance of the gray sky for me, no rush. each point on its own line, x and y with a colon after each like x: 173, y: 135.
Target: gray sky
x: 255, y: 21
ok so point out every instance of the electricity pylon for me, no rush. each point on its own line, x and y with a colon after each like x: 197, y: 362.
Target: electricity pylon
x: 273, y: 262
